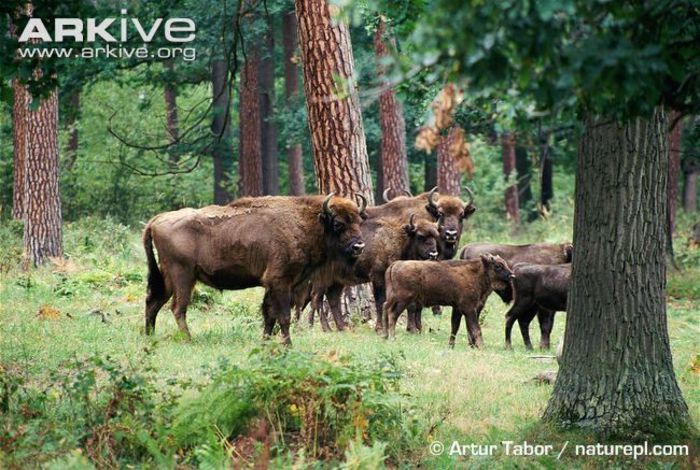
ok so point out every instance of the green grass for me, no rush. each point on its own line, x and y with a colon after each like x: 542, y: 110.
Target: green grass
x: 92, y: 305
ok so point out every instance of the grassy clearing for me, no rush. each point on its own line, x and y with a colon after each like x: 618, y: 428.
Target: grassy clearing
x: 90, y: 306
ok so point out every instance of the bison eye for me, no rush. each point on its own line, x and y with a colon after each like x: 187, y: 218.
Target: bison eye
x: 338, y: 226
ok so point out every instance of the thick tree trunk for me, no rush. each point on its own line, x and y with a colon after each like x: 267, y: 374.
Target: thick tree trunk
x: 19, y: 138
x: 524, y: 170
x: 221, y: 130
x: 270, y: 164
x: 616, y: 375
x: 72, y: 117
x: 295, y: 164
x: 448, y: 176
x: 170, y: 97
x: 335, y: 117
x: 674, y: 169
x: 431, y: 174
x: 394, y: 165
x: 511, y: 195
x: 42, y: 216
x: 249, y: 127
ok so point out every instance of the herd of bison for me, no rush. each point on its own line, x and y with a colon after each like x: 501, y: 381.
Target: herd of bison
x: 306, y: 248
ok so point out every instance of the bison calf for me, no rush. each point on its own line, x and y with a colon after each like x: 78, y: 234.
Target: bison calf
x: 540, y: 290
x: 463, y: 285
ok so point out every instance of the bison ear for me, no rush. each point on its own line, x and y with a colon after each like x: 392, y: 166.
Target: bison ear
x: 325, y: 218
x: 486, y: 258
x: 468, y: 211
x: 432, y: 210
x: 410, y: 229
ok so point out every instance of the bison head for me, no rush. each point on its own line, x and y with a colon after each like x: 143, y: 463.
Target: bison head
x: 450, y: 212
x: 498, y: 270
x: 423, y: 239
x: 341, y: 219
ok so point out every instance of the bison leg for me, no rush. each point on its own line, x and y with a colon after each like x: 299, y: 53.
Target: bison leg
x: 524, y: 324
x: 183, y: 283
x: 379, y: 297
x: 268, y: 315
x: 546, y: 320
x: 411, y: 321
x: 474, y: 329
x: 510, y: 320
x: 334, y: 294
x: 154, y: 303
x: 456, y: 320
x: 419, y: 320
x: 278, y: 308
x: 519, y: 309
x: 392, y: 311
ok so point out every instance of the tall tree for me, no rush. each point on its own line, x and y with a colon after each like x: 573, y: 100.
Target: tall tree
x: 71, y: 115
x: 690, y: 185
x: 19, y: 137
x: 448, y: 175
x: 170, y: 97
x: 221, y: 130
x: 42, y: 204
x: 546, y: 185
x: 393, y: 164
x: 674, y: 168
x: 511, y: 194
x: 295, y: 163
x: 430, y: 168
x: 524, y: 172
x: 249, y: 126
x: 333, y: 106
x: 270, y: 162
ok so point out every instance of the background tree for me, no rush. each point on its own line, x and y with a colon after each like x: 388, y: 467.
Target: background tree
x: 170, y: 97
x: 448, y: 175
x: 291, y: 86
x: 270, y: 156
x: 19, y: 138
x: 509, y: 173
x: 249, y: 127
x: 221, y: 132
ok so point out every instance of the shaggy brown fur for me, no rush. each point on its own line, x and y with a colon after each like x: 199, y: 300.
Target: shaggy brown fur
x: 275, y: 242
x: 464, y: 285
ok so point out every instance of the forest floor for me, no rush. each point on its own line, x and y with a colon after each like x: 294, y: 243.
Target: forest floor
x: 91, y: 306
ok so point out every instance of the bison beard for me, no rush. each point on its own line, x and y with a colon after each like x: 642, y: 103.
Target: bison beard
x: 279, y: 243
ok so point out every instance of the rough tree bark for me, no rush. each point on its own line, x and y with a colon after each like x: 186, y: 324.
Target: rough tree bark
x: 546, y: 187
x: 674, y: 169
x: 335, y: 118
x: 622, y: 381
x: 249, y: 127
x: 431, y: 176
x: 270, y: 164
x: 42, y: 204
x: 295, y: 164
x: 72, y: 116
x: 393, y: 165
x: 221, y: 130
x: 511, y: 195
x: 19, y: 138
x: 524, y: 170
x: 448, y: 175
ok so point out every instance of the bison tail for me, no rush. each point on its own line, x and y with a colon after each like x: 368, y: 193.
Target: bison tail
x: 156, y: 283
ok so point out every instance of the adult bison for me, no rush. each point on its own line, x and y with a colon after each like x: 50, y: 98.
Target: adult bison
x: 464, y: 285
x: 275, y: 242
x: 535, y: 253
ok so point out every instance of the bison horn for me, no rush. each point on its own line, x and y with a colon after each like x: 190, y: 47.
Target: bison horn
x: 431, y: 195
x: 407, y: 192
x: 412, y: 222
x: 363, y: 206
x: 326, y: 209
x: 385, y: 195
x: 471, y: 195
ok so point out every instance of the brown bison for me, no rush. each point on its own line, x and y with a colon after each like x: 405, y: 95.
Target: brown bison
x: 387, y: 240
x: 275, y: 242
x: 542, y: 290
x: 536, y: 253
x: 464, y: 285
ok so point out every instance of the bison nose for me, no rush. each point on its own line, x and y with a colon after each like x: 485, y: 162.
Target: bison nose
x: 433, y: 255
x: 512, y: 276
x: 451, y: 235
x: 358, y: 247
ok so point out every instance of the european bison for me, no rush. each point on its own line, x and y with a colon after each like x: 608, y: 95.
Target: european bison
x: 541, y: 290
x: 536, y: 253
x: 464, y: 285
x: 275, y: 242
x: 387, y: 240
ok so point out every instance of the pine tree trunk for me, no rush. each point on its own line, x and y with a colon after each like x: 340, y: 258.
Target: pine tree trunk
x: 221, y: 130
x: 19, y: 138
x: 431, y: 177
x: 270, y: 165
x: 690, y: 188
x: 42, y: 217
x: 72, y: 118
x: 249, y: 127
x: 546, y: 187
x: 616, y: 375
x: 448, y: 176
x: 674, y: 152
x: 335, y: 118
x: 170, y: 96
x: 295, y: 163
x: 524, y: 170
x: 511, y: 195
x: 394, y: 165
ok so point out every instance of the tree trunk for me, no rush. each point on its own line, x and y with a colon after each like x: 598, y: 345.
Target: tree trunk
x: 295, y: 163
x: 72, y: 116
x: 394, y: 165
x: 546, y: 187
x: 221, y: 130
x: 270, y: 165
x: 511, y: 196
x: 335, y: 118
x: 19, y: 139
x: 249, y: 127
x: 42, y: 217
x: 524, y: 170
x: 616, y: 375
x: 170, y: 96
x: 379, y: 190
x: 448, y: 176
x: 690, y: 188
x: 674, y: 153
x: 431, y: 177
